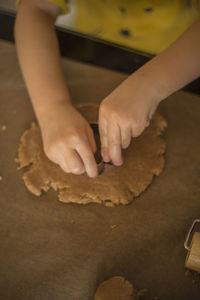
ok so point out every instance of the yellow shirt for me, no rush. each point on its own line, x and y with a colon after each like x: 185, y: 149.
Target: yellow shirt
x: 145, y: 25
x: 61, y: 3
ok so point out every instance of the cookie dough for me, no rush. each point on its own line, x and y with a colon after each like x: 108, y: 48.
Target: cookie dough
x: 116, y: 288
x: 3, y: 127
x: 116, y: 185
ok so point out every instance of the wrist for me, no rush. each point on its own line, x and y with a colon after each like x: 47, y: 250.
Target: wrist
x: 153, y: 81
x: 48, y: 110
x: 142, y: 87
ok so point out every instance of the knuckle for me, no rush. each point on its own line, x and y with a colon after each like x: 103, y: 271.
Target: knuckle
x: 125, y: 144
x: 103, y: 133
x: 137, y: 131
x: 137, y: 128
x: 64, y: 167
x: 102, y: 106
x: 72, y: 139
x: 78, y: 170
x: 105, y: 108
x: 50, y: 151
x: 113, y: 142
x: 115, y: 116
x: 126, y: 119
x: 121, y: 118
x: 78, y: 138
x: 76, y: 166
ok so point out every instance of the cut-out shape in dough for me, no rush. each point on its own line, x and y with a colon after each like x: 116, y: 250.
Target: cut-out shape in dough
x: 116, y: 185
x: 115, y: 288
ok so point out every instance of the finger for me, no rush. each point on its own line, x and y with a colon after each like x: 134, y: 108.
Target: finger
x: 88, y: 159
x: 74, y: 162
x: 147, y: 123
x: 63, y: 164
x: 126, y: 136
x: 103, y: 130
x: 114, y: 141
x: 91, y: 138
x: 58, y: 158
x: 137, y: 128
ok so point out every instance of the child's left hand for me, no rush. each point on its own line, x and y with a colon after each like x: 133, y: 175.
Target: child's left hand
x: 123, y: 114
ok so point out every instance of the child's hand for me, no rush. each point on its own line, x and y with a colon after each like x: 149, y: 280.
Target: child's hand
x: 123, y: 114
x: 68, y: 140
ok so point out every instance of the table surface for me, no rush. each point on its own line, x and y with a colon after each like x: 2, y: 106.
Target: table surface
x: 52, y: 250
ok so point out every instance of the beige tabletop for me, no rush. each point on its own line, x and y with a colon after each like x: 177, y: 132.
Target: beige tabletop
x: 51, y: 250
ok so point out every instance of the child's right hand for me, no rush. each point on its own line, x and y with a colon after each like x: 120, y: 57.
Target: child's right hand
x: 68, y: 140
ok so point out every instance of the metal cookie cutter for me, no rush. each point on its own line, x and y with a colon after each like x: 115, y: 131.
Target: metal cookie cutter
x: 98, y: 157
x: 193, y: 257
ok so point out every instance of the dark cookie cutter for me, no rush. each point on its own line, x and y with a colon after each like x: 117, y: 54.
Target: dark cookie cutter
x: 98, y: 157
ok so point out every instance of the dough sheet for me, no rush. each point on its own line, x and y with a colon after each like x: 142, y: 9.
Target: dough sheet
x: 116, y: 185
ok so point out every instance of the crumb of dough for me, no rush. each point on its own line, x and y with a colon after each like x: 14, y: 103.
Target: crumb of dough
x: 3, y: 127
x: 113, y: 226
x: 1, y: 178
x: 115, y: 288
x: 116, y: 185
x: 142, y: 294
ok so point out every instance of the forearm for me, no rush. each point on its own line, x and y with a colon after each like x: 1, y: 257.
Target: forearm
x: 175, y: 67
x: 39, y: 58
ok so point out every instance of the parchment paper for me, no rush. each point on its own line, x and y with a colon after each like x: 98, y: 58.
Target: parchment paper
x: 52, y: 250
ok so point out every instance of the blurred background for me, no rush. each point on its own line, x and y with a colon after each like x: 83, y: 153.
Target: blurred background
x: 116, y: 34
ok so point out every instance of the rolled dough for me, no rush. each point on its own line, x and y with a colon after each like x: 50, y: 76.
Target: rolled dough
x: 115, y: 288
x: 116, y: 185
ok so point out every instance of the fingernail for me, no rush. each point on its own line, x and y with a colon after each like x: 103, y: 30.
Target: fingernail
x: 106, y: 156
x: 118, y: 163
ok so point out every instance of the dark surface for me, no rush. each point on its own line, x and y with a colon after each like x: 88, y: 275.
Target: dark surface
x: 52, y: 250
x: 90, y: 50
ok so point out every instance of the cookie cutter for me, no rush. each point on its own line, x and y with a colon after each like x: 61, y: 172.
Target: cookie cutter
x: 98, y: 157
x: 192, y: 245
x: 187, y: 243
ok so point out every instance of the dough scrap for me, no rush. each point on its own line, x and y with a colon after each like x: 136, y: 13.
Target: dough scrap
x: 115, y: 288
x: 3, y: 127
x: 116, y: 185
